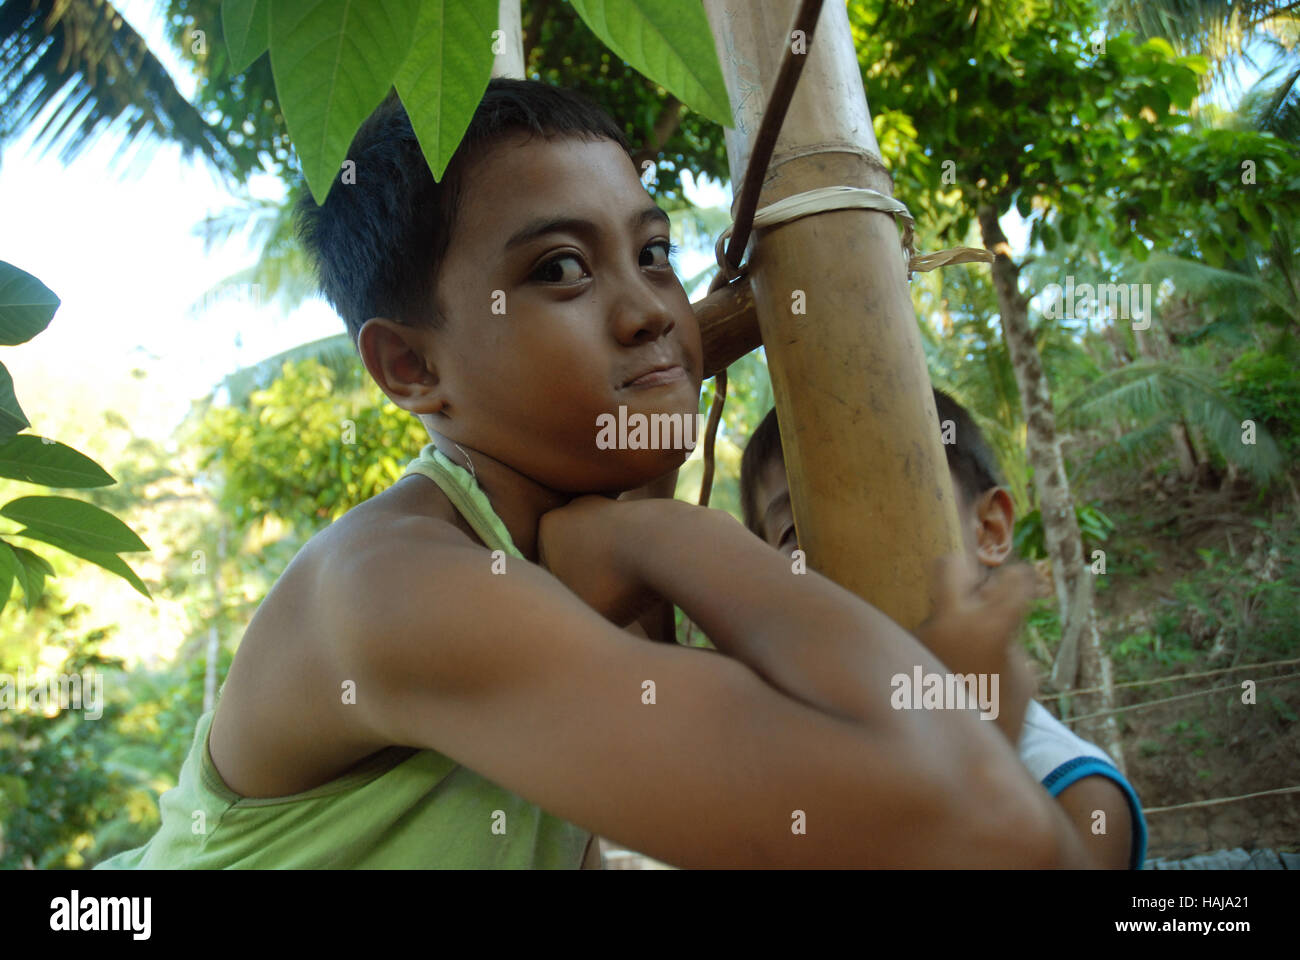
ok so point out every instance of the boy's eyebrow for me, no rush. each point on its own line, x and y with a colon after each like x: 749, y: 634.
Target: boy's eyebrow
x: 544, y: 225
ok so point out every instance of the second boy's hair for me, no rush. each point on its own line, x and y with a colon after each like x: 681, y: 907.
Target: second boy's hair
x: 970, y: 459
x: 377, y: 243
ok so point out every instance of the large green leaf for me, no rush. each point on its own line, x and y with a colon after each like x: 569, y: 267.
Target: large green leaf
x: 667, y: 41
x: 10, y: 570
x: 75, y: 521
x: 32, y: 459
x: 101, y: 558
x: 247, y: 27
x: 334, y: 62
x: 12, y: 418
x: 26, y: 305
x: 442, y: 82
x: 36, y: 568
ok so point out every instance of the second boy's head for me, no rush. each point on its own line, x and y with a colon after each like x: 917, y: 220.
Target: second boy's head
x: 509, y: 306
x: 985, y: 508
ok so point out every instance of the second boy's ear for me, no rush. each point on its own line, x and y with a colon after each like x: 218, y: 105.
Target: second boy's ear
x: 995, y: 519
x: 400, y: 359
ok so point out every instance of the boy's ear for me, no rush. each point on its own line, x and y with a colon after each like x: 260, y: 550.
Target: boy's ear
x: 995, y: 521
x: 400, y: 359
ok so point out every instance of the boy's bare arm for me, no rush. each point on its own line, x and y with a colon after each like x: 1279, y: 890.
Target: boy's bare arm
x: 802, y: 633
x: 685, y: 755
x: 1083, y: 801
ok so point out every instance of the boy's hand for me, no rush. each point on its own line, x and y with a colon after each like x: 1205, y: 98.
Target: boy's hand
x: 974, y: 626
x: 589, y: 546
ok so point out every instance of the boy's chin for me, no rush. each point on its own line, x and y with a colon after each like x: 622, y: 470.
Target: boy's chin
x: 637, y: 468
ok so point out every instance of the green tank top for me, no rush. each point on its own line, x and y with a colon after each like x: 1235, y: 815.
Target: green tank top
x: 401, y: 808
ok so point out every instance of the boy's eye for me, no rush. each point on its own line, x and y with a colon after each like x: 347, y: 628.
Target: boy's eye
x: 663, y: 245
x: 553, y: 271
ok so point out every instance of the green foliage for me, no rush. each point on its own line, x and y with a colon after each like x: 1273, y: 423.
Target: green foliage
x: 1240, y: 606
x: 82, y: 529
x: 56, y: 786
x: 968, y: 359
x: 1246, y: 603
x: 334, y: 61
x: 1158, y: 394
x: 1267, y: 385
x: 1163, y: 649
x: 239, y: 100
x: 441, y: 83
x: 564, y: 52
x: 347, y: 446
x: 76, y: 788
x: 1028, y: 540
x: 246, y: 25
x: 1132, y: 558
x: 1043, y: 622
x: 668, y: 41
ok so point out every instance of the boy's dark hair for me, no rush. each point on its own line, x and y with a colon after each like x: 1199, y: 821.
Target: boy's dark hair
x: 969, y: 458
x: 378, y: 243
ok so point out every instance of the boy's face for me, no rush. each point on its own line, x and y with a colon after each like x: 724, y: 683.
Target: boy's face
x: 558, y: 293
x: 986, y: 525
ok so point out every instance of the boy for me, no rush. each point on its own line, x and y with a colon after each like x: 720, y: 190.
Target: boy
x: 1079, y: 774
x: 440, y: 678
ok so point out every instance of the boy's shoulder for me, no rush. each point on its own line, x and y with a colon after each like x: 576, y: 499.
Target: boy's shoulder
x: 356, y: 551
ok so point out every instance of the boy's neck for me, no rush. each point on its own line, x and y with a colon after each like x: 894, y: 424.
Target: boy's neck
x: 518, y: 500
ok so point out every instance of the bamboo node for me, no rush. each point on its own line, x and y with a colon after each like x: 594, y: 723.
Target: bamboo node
x: 822, y: 199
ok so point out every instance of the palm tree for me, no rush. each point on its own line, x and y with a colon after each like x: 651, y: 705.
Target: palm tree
x: 1216, y: 29
x: 282, y: 273
x: 85, y: 62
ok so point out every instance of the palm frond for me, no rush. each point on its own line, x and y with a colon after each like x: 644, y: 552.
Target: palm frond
x: 1145, y: 446
x: 1274, y: 107
x: 336, y: 353
x: 1216, y: 29
x: 82, y: 60
x: 1223, y: 424
x: 1149, y: 392
x: 1141, y: 391
x: 283, y: 272
x: 1211, y: 27
x: 1227, y: 289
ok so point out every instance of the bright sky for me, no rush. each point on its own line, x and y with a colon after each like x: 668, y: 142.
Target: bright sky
x: 121, y: 252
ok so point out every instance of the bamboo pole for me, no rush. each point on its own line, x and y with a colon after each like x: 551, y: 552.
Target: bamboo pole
x: 872, y: 497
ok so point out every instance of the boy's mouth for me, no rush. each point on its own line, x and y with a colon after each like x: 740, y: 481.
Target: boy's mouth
x: 657, y: 375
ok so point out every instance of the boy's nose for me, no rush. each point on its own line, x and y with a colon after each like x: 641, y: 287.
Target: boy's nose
x: 642, y: 320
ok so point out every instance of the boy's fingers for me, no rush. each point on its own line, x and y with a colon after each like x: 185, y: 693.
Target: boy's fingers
x: 1017, y: 582
x: 954, y: 578
x: 1007, y: 595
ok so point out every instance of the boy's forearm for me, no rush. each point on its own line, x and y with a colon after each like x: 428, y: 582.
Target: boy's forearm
x: 821, y: 645
x: 802, y: 633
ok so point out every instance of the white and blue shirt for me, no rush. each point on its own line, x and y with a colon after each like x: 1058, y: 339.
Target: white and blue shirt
x: 1058, y: 757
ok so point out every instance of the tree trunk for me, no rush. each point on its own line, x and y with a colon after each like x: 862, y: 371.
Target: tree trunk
x: 1080, y: 659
